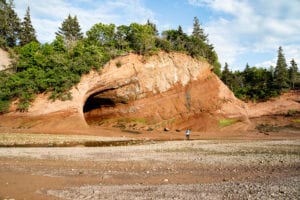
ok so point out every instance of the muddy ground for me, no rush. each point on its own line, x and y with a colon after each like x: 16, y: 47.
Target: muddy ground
x: 262, y: 168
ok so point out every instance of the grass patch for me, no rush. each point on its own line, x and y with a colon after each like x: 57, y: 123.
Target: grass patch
x: 140, y: 120
x: 227, y: 122
x: 128, y: 120
x: 296, y: 120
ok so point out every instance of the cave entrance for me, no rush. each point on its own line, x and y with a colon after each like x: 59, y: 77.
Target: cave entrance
x: 94, y: 102
x: 97, y: 107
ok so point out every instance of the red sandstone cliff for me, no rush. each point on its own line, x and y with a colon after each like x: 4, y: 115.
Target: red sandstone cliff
x: 167, y: 89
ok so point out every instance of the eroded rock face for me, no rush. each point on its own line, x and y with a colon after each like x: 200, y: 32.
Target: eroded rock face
x: 168, y: 89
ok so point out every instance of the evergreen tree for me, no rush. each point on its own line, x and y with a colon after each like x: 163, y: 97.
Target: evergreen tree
x: 3, y: 6
x: 27, y: 33
x: 293, y: 71
x: 217, y: 67
x: 155, y: 31
x: 226, y: 74
x: 181, y: 40
x: 272, y: 71
x: 281, y: 73
x: 247, y: 73
x: 70, y: 31
x: 198, y: 32
x: 9, y: 24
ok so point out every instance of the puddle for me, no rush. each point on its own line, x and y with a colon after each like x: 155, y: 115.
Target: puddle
x: 81, y: 144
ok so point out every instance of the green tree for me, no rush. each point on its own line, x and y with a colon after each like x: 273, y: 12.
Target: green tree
x: 102, y: 34
x: 70, y: 31
x: 121, y: 38
x: 9, y: 24
x: 27, y: 56
x: 3, y: 22
x: 247, y: 74
x: 141, y: 38
x: 163, y: 44
x: 170, y: 36
x: 212, y: 57
x: 258, y: 83
x: 281, y: 72
x: 253, y: 83
x: 179, y: 40
x: 217, y: 68
x: 272, y: 70
x: 195, y: 47
x: 58, y: 44
x: 27, y: 33
x: 226, y: 75
x: 198, y: 32
x: 293, y: 72
x: 155, y: 31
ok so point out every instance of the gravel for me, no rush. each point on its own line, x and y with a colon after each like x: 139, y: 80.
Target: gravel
x: 286, y: 188
x: 251, y: 169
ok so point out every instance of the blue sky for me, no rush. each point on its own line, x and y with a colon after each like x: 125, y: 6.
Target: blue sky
x: 242, y: 31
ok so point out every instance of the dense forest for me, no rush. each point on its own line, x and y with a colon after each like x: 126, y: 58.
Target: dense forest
x: 57, y: 66
x: 259, y: 84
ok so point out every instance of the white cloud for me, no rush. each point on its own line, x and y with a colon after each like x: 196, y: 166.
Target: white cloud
x: 44, y: 26
x: 253, y: 26
x: 199, y: 2
x: 266, y: 64
x: 224, y: 41
x: 289, y: 51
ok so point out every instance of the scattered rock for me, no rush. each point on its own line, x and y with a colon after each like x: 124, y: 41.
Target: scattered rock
x: 149, y: 129
x: 166, y: 129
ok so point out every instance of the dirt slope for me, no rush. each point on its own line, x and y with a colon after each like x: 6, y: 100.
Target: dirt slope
x: 279, y: 105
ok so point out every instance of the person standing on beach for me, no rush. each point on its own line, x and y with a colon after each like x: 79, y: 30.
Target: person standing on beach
x: 187, y: 134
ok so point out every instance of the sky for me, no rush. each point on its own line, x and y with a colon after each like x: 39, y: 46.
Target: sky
x: 241, y: 31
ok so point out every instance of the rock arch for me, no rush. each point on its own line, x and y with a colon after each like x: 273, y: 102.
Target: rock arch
x: 153, y: 88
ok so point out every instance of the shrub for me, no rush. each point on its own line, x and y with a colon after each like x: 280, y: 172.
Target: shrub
x: 4, y: 106
x: 118, y: 64
x: 227, y: 122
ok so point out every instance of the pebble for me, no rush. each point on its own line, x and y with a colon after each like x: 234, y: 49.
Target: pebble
x: 223, y: 190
